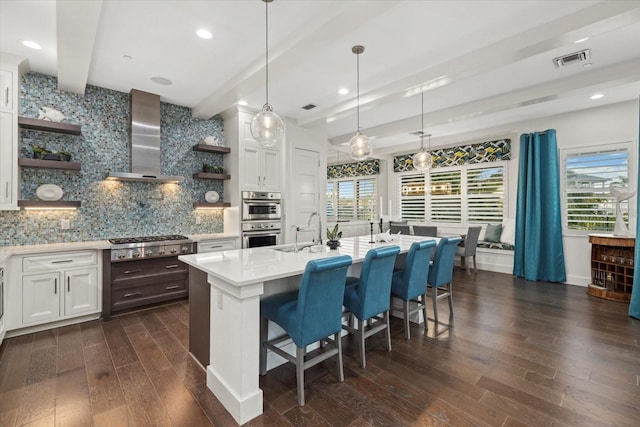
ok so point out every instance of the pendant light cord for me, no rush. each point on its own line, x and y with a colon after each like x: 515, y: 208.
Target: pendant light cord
x: 422, y: 120
x: 266, y: 48
x: 358, y: 92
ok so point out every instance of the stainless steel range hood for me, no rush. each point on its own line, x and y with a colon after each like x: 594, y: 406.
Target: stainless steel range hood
x: 144, y: 150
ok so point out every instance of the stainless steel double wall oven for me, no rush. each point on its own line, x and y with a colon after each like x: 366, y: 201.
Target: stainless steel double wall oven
x: 261, y: 219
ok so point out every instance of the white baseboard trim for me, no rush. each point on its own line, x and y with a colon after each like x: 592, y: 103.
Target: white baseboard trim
x: 241, y: 409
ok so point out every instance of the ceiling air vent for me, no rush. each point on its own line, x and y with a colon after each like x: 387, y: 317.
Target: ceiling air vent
x: 309, y: 107
x: 572, y: 58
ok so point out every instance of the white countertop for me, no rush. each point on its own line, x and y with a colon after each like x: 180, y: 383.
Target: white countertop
x: 7, y: 251
x: 242, y: 267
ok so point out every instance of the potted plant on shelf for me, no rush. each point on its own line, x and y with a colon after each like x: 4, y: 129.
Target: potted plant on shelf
x: 333, y: 237
x: 43, y: 153
x: 207, y: 168
x: 64, y: 156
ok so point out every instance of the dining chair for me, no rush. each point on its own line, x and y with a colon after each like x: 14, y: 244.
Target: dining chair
x: 425, y: 230
x: 441, y: 272
x: 468, y: 249
x: 311, y: 314
x: 368, y: 296
x: 402, y: 228
x: 410, y: 283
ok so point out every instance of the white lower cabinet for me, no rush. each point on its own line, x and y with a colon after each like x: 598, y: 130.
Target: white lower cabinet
x: 54, y: 287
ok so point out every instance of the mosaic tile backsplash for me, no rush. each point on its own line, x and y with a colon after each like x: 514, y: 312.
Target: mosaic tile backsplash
x: 111, y: 208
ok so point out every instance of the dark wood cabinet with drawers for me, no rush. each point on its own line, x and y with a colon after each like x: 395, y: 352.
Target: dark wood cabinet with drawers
x: 134, y: 284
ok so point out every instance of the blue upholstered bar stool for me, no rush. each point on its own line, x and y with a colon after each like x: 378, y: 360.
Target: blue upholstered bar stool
x: 410, y: 283
x: 311, y: 314
x: 441, y: 272
x: 368, y: 296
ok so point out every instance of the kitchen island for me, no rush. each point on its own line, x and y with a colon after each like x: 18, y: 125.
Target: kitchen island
x: 237, y: 280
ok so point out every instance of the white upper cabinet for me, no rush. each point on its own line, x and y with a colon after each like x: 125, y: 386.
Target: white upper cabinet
x: 8, y: 136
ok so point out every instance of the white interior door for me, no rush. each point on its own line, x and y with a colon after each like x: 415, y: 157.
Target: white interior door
x: 305, y: 189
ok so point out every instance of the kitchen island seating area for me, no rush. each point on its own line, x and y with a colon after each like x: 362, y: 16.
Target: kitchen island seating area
x: 311, y: 314
x: 368, y: 296
x: 441, y: 273
x: 239, y: 280
x: 409, y: 283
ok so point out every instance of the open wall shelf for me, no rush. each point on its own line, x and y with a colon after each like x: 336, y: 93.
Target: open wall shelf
x: 47, y: 126
x: 48, y: 164
x: 211, y: 149
x: 53, y: 204
x: 205, y: 175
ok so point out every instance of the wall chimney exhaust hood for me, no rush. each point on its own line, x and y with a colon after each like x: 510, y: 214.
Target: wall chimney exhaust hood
x: 144, y: 149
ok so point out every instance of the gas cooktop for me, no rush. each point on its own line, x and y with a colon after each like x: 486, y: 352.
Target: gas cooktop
x: 147, y: 239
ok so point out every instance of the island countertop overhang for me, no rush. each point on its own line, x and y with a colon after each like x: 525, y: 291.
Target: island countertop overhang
x: 243, y: 267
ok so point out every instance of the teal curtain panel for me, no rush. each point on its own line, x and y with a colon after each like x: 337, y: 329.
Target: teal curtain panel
x: 538, y: 253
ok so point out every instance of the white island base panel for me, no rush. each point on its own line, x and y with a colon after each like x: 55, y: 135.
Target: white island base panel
x: 233, y: 375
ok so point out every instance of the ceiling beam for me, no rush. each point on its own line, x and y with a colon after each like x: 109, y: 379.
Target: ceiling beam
x: 597, y: 19
x: 327, y: 28
x: 584, y: 83
x: 76, y: 27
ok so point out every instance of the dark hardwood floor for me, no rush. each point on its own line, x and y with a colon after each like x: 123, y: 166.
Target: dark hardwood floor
x: 516, y: 353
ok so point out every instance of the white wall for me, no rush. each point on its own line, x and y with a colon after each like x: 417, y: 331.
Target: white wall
x: 610, y: 125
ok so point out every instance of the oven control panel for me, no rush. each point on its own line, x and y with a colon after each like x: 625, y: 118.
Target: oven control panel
x: 261, y: 225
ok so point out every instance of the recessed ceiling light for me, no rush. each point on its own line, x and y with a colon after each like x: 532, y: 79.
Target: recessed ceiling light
x: 597, y: 96
x: 584, y: 39
x: 161, y: 81
x: 204, y: 34
x: 343, y: 91
x: 243, y: 103
x: 31, y: 44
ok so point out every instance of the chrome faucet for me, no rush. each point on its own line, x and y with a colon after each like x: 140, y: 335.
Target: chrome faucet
x: 295, y: 243
x: 319, y: 241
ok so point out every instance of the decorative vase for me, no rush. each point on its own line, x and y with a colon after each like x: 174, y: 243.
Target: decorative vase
x: 333, y: 244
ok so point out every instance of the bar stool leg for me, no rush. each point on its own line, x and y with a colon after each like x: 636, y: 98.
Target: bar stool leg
x: 363, y: 362
x: 386, y: 320
x: 434, y: 297
x: 424, y: 311
x: 338, y: 340
x: 300, y: 374
x: 405, y: 306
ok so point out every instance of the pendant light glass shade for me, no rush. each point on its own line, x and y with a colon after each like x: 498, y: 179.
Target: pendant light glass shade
x: 267, y: 127
x: 422, y: 160
x: 360, y: 147
x: 360, y: 144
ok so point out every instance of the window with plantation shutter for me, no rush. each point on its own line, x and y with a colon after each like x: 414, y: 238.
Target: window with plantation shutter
x: 587, y: 177
x: 446, y: 196
x: 366, y: 200
x: 412, y: 197
x: 485, y: 195
x: 351, y: 199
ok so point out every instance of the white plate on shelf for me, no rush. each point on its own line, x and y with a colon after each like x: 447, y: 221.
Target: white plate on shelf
x: 212, y: 196
x: 49, y: 192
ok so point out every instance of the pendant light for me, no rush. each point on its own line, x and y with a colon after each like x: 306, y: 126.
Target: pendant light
x: 360, y: 144
x: 422, y: 159
x: 267, y: 127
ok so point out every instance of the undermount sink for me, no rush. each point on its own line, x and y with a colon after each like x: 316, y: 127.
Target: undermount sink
x: 292, y: 248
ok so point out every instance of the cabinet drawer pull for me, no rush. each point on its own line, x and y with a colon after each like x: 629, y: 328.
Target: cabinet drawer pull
x: 168, y: 288
x: 132, y: 294
x: 62, y: 261
x: 6, y: 96
x: 68, y: 284
x: 132, y: 271
x: 6, y: 190
x: 55, y: 286
x: 171, y: 266
x: 216, y: 246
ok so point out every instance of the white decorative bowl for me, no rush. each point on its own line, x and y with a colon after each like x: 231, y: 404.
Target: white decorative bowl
x: 49, y: 192
x: 212, y: 196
